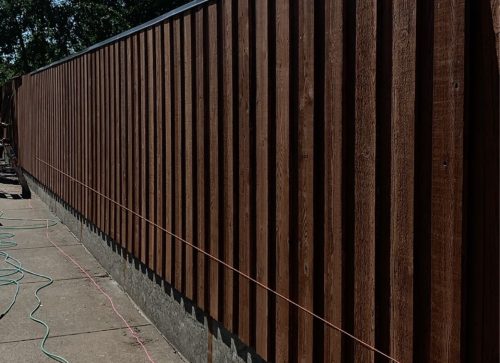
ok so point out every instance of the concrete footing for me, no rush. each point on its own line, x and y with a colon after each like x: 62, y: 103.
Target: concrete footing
x: 186, y: 327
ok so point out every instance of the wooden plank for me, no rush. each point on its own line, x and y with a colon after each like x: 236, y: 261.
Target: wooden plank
x: 143, y: 173
x: 305, y: 213
x: 244, y: 170
x: 333, y: 186
x: 129, y: 49
x: 99, y: 141
x: 262, y: 173
x: 364, y: 179
x: 200, y: 156
x: 119, y: 180
x: 282, y: 178
x: 160, y: 152
x: 152, y: 193
x: 188, y: 137
x: 136, y: 145
x: 447, y: 181
x: 178, y: 187
x: 402, y: 179
x: 86, y: 107
x: 106, y: 141
x: 228, y: 192
x: 112, y: 141
x: 168, y: 151
x: 214, y: 158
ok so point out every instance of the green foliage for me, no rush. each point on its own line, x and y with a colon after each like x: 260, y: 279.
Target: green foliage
x: 34, y: 33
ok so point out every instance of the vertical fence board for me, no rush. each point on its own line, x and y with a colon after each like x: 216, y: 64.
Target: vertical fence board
x: 282, y: 177
x: 333, y: 155
x: 447, y: 181
x: 213, y: 176
x: 364, y: 179
x: 160, y: 141
x: 228, y: 191
x: 262, y: 178
x: 169, y: 156
x: 188, y: 137
x: 200, y: 156
x: 244, y: 169
x: 152, y: 195
x: 402, y: 181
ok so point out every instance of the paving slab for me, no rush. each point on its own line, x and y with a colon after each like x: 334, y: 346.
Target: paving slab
x: 105, y: 346
x: 41, y: 260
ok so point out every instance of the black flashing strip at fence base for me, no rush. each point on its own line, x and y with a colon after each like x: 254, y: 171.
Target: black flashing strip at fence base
x: 138, y: 28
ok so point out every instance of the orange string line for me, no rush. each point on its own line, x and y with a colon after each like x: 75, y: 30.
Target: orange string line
x: 300, y: 307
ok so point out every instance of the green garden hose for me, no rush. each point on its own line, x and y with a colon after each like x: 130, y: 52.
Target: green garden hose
x: 15, y: 273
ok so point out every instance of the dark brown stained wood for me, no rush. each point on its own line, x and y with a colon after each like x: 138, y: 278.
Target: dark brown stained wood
x: 305, y: 152
x: 213, y: 124
x: 447, y: 181
x: 262, y: 181
x: 130, y: 144
x: 143, y: 166
x: 244, y: 170
x: 402, y: 180
x: 123, y: 180
x: 200, y: 157
x: 98, y: 135
x: 178, y: 187
x: 364, y: 179
x: 136, y: 169
x: 160, y: 144
x: 112, y: 141
x: 228, y: 192
x: 333, y: 231
x: 86, y: 127
x: 168, y: 151
x: 152, y: 194
x: 188, y: 129
x: 107, y: 142
x: 117, y: 138
x: 282, y: 177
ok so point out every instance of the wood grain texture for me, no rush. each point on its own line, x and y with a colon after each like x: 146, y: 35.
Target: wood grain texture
x: 189, y: 153
x: 333, y: 183
x: 177, y: 140
x: 244, y: 169
x: 152, y: 155
x: 200, y: 157
x: 213, y: 124
x: 160, y: 147
x: 228, y: 146
x: 169, y: 258
x: 447, y: 181
x: 402, y: 179
x: 364, y: 179
x: 262, y: 172
x: 282, y: 177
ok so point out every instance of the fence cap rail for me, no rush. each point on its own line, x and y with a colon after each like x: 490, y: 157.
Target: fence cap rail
x: 172, y: 13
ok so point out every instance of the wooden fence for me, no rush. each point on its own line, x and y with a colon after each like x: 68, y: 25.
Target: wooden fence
x: 342, y: 154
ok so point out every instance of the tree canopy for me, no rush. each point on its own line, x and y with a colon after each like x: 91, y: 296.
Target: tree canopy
x: 34, y: 33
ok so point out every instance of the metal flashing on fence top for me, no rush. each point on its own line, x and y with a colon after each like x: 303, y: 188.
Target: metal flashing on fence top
x: 126, y: 33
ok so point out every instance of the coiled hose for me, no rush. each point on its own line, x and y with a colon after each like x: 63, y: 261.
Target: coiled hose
x: 13, y: 274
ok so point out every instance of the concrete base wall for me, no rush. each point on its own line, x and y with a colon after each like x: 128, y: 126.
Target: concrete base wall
x: 187, y: 328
